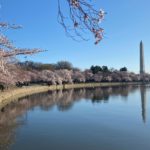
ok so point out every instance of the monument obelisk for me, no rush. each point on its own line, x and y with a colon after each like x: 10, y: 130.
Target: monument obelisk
x: 142, y: 65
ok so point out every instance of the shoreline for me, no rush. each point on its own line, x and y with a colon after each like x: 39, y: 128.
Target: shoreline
x: 11, y: 95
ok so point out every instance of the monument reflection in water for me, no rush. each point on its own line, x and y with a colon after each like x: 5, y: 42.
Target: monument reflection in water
x: 15, y: 115
x: 143, y: 103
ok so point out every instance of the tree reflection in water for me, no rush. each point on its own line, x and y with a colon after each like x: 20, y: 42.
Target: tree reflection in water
x: 13, y: 115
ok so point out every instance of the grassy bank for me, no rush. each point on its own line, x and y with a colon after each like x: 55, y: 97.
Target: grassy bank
x: 13, y: 94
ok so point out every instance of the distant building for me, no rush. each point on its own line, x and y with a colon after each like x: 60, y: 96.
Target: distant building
x: 142, y: 64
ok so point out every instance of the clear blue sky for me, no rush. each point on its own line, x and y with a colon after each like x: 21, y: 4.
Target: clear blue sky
x: 127, y: 22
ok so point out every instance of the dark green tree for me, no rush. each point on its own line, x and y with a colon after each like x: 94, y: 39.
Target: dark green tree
x: 95, y: 69
x: 105, y: 69
x: 123, y: 69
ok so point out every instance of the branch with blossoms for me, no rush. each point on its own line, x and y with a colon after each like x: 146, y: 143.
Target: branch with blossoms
x: 8, y: 51
x: 82, y: 18
x: 5, y: 25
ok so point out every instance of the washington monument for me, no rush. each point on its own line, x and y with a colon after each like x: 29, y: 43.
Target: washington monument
x: 142, y: 64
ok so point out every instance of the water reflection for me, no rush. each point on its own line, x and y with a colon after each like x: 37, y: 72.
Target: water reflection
x: 8, y: 125
x: 14, y: 115
x: 143, y: 103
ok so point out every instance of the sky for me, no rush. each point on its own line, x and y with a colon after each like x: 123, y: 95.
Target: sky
x: 127, y: 23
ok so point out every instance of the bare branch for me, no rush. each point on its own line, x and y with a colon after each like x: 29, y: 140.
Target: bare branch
x: 5, y: 25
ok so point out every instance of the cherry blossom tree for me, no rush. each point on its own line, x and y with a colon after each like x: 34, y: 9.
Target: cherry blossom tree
x: 49, y: 77
x: 88, y: 76
x: 145, y: 77
x: 65, y: 75
x: 98, y: 77
x: 107, y: 78
x: 8, y: 51
x: 78, y: 77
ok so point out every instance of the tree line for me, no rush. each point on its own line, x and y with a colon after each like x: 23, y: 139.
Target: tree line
x: 63, y: 72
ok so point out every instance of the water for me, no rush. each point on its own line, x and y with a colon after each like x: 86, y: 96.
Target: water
x: 115, y: 118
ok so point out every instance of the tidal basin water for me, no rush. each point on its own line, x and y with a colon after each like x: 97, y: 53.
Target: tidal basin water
x: 112, y: 118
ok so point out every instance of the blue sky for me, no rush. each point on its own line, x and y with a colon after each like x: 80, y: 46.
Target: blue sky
x: 126, y: 24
